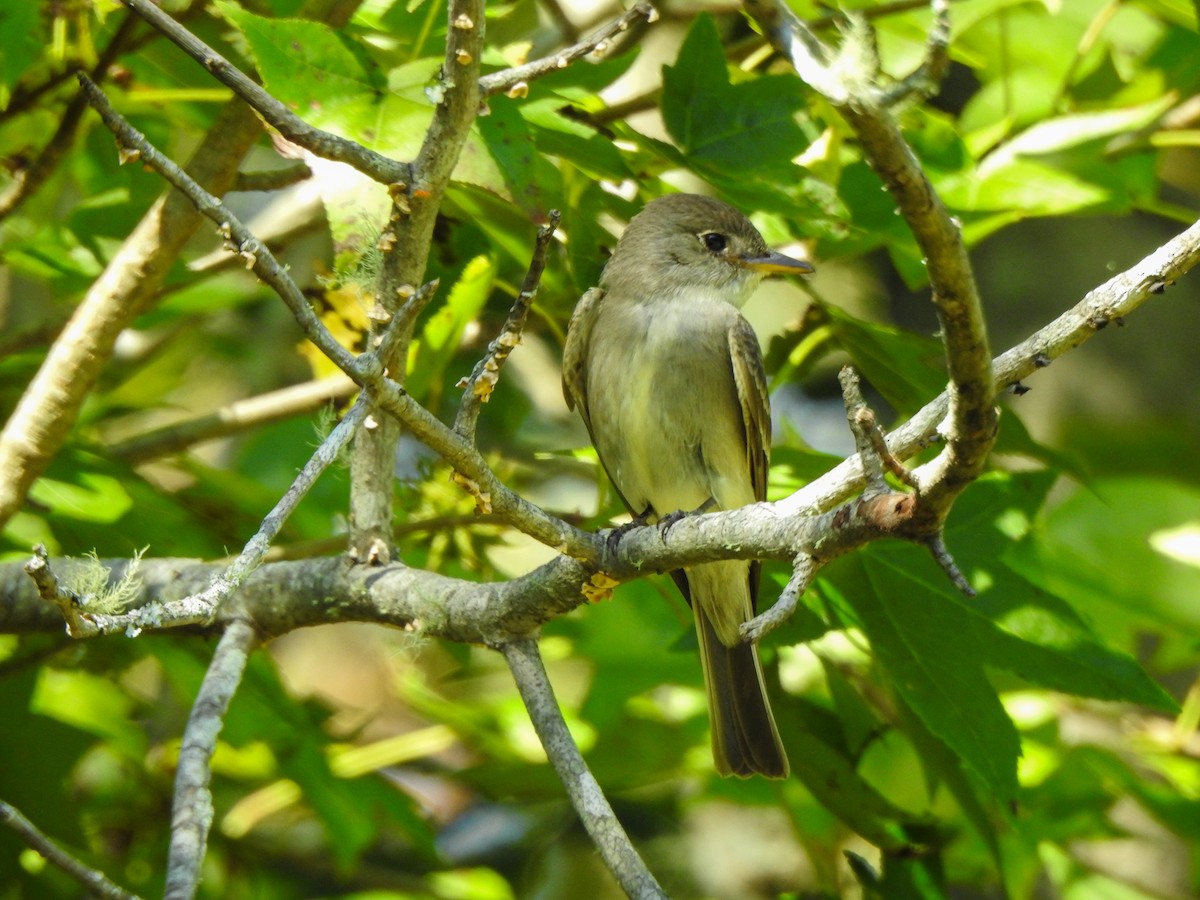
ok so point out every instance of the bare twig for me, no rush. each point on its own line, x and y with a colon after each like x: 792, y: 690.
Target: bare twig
x: 511, y: 79
x: 192, y: 809
x: 272, y: 179
x: 256, y: 548
x: 804, y: 569
x: 95, y: 882
x: 478, y: 387
x: 589, y: 801
x: 491, y: 496
x: 277, y: 115
x: 201, y: 607
x: 255, y: 254
x: 239, y: 416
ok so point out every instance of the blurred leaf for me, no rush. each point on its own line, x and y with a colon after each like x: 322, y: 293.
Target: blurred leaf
x: 21, y: 42
x: 443, y: 331
x: 1072, y: 551
x: 906, y: 368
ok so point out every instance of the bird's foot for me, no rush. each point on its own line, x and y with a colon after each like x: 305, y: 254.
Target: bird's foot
x: 616, y: 533
x: 670, y: 520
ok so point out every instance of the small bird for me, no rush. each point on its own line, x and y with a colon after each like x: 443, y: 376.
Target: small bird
x: 668, y: 377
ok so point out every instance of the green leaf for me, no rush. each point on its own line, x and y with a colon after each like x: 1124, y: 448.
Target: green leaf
x: 1073, y: 549
x: 529, y: 179
x: 905, y: 368
x: 557, y: 135
x: 305, y: 64
x: 934, y: 663
x: 730, y: 128
x: 831, y: 777
x: 443, y: 331
x: 21, y: 42
x: 1034, y: 187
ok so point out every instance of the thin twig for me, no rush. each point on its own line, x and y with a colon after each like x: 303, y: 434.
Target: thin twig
x: 200, y: 607
x: 96, y: 883
x: 478, y: 387
x: 192, y: 809
x: 256, y: 255
x: 272, y: 179
x: 804, y: 569
x: 926, y: 79
x: 1117, y: 298
x: 511, y: 79
x: 322, y: 143
x: 589, y: 801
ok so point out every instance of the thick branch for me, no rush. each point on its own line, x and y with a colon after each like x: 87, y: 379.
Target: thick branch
x: 407, y: 239
x: 971, y: 430
x: 42, y: 419
x: 192, y: 809
x: 589, y: 801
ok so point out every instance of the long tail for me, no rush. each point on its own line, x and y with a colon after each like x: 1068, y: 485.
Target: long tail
x: 745, y: 739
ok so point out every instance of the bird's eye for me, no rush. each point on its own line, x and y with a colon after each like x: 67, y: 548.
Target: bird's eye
x: 714, y: 242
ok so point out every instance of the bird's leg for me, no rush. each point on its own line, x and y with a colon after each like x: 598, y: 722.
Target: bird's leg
x: 670, y: 520
x: 616, y: 533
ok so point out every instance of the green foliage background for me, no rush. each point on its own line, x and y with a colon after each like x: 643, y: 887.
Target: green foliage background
x: 1009, y: 744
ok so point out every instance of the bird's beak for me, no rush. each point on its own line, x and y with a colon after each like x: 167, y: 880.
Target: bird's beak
x: 777, y: 264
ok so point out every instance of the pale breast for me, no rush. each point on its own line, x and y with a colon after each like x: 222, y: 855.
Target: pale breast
x: 663, y: 404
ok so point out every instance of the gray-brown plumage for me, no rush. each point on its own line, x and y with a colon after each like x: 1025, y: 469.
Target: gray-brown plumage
x: 669, y: 380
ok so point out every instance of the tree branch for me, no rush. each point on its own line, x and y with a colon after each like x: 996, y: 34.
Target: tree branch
x: 47, y: 410
x: 283, y: 596
x: 129, y: 284
x: 512, y: 79
x: 322, y: 143
x: 849, y: 84
x: 525, y: 663
x: 192, y: 810
x: 406, y: 241
x: 1118, y: 297
x: 95, y: 882
x: 478, y: 387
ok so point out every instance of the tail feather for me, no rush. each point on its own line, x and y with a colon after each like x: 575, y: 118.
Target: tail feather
x: 745, y: 739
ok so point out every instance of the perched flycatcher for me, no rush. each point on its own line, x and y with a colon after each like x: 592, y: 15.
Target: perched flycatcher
x: 669, y: 380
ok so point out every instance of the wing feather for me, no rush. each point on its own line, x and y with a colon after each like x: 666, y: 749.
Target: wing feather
x: 751, y: 382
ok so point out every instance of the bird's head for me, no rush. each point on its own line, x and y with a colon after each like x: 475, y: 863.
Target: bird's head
x: 687, y: 243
